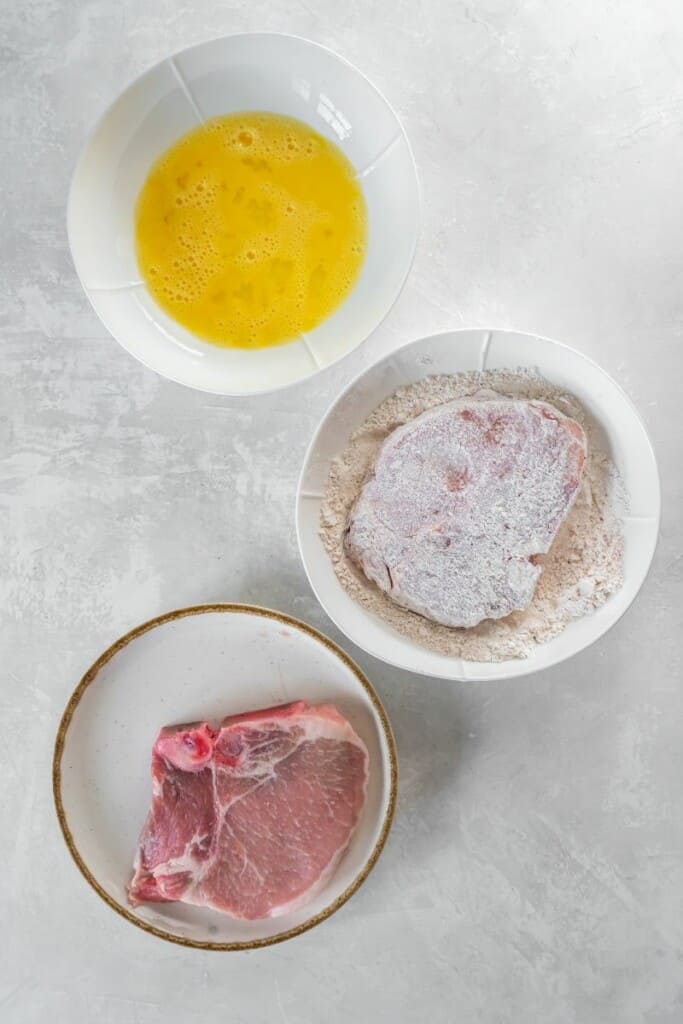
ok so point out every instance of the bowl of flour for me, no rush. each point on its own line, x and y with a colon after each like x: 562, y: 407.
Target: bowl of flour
x: 597, y: 561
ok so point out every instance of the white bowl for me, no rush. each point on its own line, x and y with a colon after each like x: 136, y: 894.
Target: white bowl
x: 197, y: 663
x: 455, y: 352
x: 281, y: 74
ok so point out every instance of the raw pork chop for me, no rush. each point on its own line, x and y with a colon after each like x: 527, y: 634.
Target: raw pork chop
x: 459, y: 501
x: 251, y: 818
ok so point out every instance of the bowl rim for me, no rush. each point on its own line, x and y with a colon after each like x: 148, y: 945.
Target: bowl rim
x: 101, y: 118
x: 91, y: 675
x: 502, y: 674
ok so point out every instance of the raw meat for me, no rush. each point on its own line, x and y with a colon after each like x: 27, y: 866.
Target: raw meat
x: 459, y: 502
x: 252, y: 818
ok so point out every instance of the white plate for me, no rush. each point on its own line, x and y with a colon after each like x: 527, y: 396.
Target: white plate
x: 196, y: 663
x: 282, y: 74
x: 625, y: 439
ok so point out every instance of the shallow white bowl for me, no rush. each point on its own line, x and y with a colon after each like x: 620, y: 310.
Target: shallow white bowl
x: 196, y: 663
x: 624, y: 438
x: 281, y: 74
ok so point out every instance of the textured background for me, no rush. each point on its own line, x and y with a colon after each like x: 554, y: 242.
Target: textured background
x: 534, y: 873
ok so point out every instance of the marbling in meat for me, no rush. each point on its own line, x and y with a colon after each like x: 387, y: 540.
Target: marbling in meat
x: 251, y: 818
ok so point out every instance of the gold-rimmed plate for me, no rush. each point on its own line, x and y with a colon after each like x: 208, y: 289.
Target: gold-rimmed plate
x: 196, y: 663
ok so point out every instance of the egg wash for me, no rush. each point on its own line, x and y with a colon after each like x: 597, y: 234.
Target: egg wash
x: 251, y: 230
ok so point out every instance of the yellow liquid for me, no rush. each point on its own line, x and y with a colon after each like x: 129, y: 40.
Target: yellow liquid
x: 251, y: 230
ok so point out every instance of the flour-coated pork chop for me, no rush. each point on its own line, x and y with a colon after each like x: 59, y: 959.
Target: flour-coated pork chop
x: 460, y: 500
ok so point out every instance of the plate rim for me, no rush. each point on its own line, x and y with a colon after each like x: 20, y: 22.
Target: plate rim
x: 91, y: 675
x: 495, y: 676
x: 101, y: 118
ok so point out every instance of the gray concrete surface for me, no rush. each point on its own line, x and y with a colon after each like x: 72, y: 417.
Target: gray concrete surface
x: 535, y: 871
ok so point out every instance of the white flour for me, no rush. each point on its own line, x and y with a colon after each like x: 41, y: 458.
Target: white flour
x: 583, y: 567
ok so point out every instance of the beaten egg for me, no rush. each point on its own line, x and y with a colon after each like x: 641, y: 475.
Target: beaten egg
x: 251, y: 230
